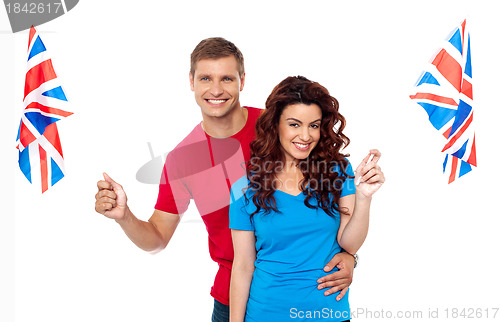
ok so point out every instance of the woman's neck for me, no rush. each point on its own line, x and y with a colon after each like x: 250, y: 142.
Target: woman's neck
x: 289, y: 177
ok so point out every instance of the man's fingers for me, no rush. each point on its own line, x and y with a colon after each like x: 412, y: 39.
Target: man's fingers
x: 338, y: 275
x: 105, y: 193
x: 111, y: 181
x: 107, y: 200
x: 110, y: 198
x: 332, y: 283
x: 334, y: 288
x: 342, y: 293
x: 103, y: 207
x: 335, y: 285
x: 104, y: 185
x: 332, y: 263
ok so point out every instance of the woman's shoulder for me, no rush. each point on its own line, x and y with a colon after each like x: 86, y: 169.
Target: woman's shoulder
x: 342, y: 167
x: 240, y: 188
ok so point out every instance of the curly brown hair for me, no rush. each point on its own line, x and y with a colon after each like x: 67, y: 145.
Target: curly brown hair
x: 325, y: 168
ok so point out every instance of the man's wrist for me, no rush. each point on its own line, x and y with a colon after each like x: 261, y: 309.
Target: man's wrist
x: 355, y: 256
x: 127, y: 216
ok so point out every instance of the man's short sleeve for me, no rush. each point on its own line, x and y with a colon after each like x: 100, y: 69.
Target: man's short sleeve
x: 239, y: 216
x: 348, y: 187
x: 173, y: 195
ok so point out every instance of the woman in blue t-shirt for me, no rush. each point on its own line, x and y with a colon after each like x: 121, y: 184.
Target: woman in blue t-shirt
x: 299, y: 205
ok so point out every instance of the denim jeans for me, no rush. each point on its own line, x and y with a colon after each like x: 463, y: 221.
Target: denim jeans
x: 220, y: 313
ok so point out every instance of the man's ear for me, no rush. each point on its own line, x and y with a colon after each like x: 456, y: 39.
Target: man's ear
x: 242, y: 82
x: 191, y: 81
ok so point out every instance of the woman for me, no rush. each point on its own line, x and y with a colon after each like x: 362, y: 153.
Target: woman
x: 299, y: 207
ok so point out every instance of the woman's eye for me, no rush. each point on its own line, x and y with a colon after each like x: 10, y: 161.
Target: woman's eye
x: 294, y: 125
x: 315, y: 126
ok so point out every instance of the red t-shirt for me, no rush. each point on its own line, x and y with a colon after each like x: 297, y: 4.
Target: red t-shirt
x: 203, y: 168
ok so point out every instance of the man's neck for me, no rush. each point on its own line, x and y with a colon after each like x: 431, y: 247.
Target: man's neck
x: 224, y: 127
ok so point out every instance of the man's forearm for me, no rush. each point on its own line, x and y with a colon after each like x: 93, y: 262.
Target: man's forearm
x: 143, y: 234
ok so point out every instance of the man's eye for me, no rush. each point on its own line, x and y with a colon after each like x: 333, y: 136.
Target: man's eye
x: 227, y: 79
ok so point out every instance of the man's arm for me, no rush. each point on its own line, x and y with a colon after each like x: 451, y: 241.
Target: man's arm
x: 340, y: 280
x: 151, y: 236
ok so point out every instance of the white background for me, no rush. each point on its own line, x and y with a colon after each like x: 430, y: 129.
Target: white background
x: 124, y: 67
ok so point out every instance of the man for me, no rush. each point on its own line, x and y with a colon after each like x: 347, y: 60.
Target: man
x: 203, y: 167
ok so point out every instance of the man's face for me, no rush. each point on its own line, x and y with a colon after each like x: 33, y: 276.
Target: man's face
x: 216, y: 84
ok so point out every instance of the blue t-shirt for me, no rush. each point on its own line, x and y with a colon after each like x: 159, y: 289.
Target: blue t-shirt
x: 292, y: 247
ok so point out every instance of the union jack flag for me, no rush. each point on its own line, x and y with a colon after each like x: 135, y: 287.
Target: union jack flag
x: 444, y: 90
x: 40, y: 153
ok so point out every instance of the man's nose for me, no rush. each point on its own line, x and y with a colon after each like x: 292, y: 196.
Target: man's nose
x: 216, y: 89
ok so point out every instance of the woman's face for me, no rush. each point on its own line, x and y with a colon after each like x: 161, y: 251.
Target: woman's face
x: 299, y: 130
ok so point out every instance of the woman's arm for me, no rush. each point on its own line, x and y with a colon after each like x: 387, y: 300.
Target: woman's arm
x: 354, y: 224
x: 242, y: 271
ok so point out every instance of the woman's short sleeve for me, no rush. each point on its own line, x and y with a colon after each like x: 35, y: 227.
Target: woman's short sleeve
x: 348, y: 187
x: 239, y: 216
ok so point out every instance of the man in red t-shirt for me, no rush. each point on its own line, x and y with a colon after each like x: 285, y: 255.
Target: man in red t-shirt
x: 203, y: 167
